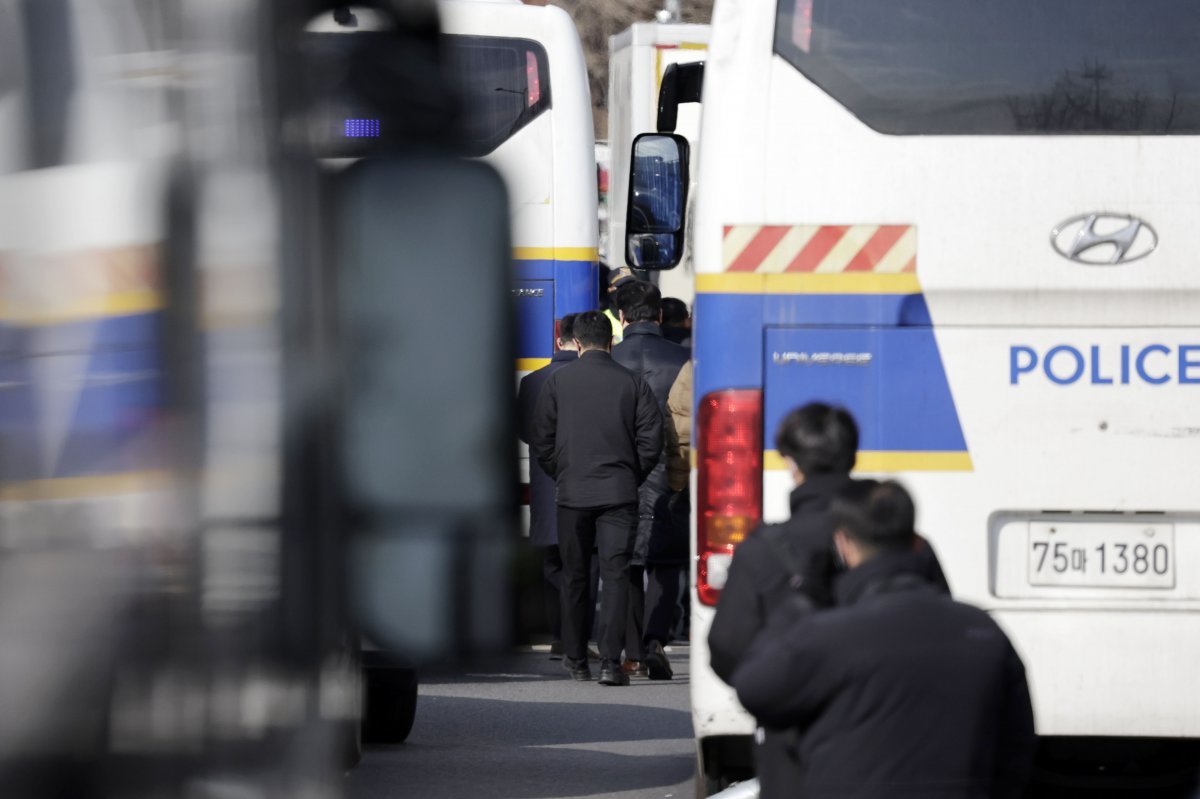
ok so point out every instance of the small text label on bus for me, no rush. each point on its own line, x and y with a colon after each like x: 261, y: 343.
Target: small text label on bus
x: 1065, y: 365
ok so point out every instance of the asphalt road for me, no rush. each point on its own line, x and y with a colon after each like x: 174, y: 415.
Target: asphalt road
x: 521, y: 729
x: 518, y: 728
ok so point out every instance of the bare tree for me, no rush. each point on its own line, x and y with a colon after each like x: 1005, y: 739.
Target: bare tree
x: 1093, y: 99
x: 599, y: 19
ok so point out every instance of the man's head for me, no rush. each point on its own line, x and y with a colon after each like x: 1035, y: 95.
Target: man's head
x: 566, y: 332
x: 620, y: 277
x: 872, y: 517
x: 639, y: 302
x: 592, y: 331
x: 675, y: 313
x: 818, y: 439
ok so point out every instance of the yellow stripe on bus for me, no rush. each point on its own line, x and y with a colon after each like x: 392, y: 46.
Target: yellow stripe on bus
x: 807, y: 283
x: 85, y: 486
x: 119, y: 304
x: 893, y: 461
x: 556, y: 254
x: 531, y: 364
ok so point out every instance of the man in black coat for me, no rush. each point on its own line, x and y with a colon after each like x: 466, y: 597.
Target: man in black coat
x: 819, y: 442
x: 899, y: 691
x: 676, y: 321
x: 543, y: 521
x: 661, y: 552
x: 598, y: 431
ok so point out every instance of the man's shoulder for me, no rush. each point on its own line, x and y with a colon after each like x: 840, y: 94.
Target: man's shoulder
x: 673, y: 350
x: 978, y: 622
x: 758, y: 554
x: 583, y: 369
x: 808, y: 531
x: 543, y: 373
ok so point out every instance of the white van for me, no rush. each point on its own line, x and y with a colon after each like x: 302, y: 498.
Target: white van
x: 973, y: 226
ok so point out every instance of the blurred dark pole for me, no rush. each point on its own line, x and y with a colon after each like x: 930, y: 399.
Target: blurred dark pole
x: 50, y: 67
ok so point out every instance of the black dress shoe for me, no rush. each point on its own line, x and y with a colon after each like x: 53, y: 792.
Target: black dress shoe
x: 656, y: 662
x: 611, y: 674
x: 578, y: 668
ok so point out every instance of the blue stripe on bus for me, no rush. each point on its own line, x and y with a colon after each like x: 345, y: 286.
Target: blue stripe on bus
x: 902, y: 399
x: 901, y: 310
x: 570, y: 286
x: 113, y: 386
x: 891, y: 380
x: 575, y: 287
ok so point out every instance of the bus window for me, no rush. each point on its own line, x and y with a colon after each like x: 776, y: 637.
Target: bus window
x: 501, y: 85
x: 1022, y: 66
x: 504, y: 83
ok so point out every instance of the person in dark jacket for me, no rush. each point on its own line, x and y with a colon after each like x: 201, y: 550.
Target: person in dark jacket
x: 899, y: 691
x: 598, y: 431
x: 543, y: 522
x: 676, y: 321
x: 661, y: 552
x: 819, y: 443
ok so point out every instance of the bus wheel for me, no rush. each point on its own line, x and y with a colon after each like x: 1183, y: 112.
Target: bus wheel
x: 391, y: 704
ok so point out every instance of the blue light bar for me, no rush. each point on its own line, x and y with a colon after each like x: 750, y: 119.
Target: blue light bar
x: 362, y: 129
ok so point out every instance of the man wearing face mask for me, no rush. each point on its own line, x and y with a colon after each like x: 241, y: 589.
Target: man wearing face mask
x: 898, y: 691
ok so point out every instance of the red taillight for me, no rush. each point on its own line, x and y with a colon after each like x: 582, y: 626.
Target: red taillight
x: 532, y: 80
x: 802, y: 25
x: 523, y: 494
x: 729, y: 482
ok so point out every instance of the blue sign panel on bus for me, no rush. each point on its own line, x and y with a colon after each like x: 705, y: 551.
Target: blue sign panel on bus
x: 892, y: 380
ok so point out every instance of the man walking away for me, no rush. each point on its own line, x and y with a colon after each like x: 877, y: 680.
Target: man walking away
x: 661, y: 552
x: 819, y: 443
x: 676, y: 321
x: 543, y: 522
x: 899, y: 691
x: 598, y: 431
x: 678, y: 433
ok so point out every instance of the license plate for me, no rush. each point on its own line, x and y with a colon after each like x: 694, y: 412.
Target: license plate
x: 1116, y: 555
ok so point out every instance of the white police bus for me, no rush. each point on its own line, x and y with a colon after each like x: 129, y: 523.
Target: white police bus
x: 527, y: 112
x: 974, y: 226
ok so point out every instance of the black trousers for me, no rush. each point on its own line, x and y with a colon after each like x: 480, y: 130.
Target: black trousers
x: 552, y: 568
x: 636, y: 616
x: 664, y: 584
x: 610, y: 531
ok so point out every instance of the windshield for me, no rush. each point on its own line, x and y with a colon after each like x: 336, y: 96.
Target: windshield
x: 989, y: 67
x: 501, y: 85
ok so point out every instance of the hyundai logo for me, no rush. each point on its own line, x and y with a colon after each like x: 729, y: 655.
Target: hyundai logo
x: 1104, y: 239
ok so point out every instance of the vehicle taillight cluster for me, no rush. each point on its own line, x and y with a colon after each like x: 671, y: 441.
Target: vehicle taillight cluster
x: 532, y: 80
x: 729, y: 488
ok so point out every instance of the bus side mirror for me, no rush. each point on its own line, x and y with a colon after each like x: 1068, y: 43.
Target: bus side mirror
x: 658, y: 185
x: 427, y: 449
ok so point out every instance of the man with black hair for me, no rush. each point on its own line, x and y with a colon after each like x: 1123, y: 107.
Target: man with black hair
x: 661, y: 552
x: 676, y: 321
x: 819, y: 444
x: 899, y: 691
x: 597, y: 430
x: 543, y: 522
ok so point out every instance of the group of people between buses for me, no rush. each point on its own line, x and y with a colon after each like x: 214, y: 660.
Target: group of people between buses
x: 606, y: 479
x: 836, y: 627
